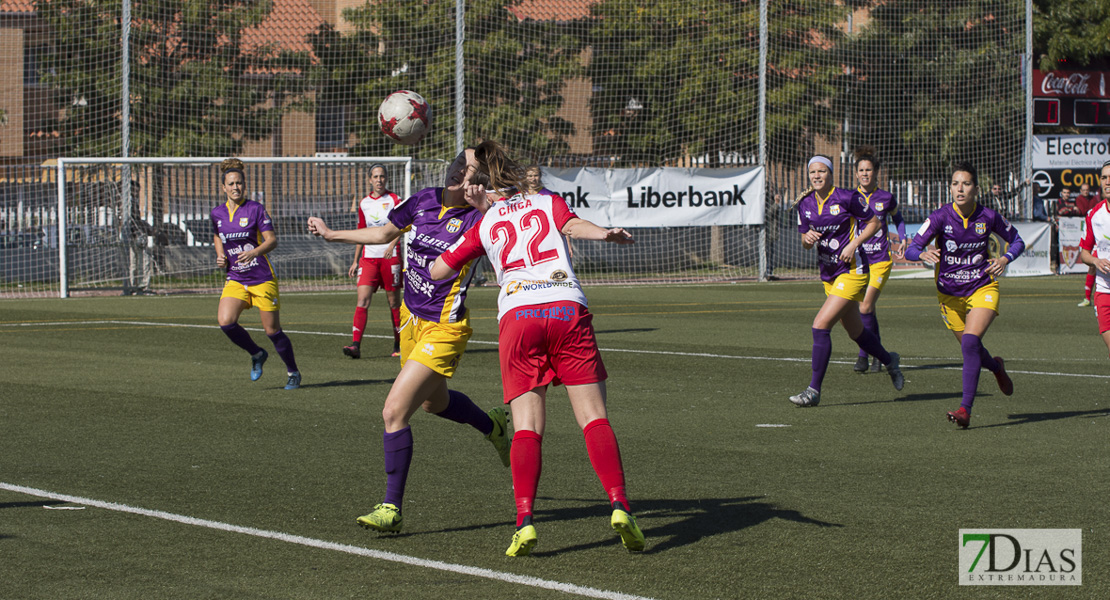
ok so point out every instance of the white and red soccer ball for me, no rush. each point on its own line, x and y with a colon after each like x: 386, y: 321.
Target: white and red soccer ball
x: 405, y: 117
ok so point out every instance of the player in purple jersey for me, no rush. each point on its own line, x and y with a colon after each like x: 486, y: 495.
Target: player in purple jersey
x: 966, y: 275
x: 876, y: 250
x: 832, y: 219
x: 435, y: 324
x: 237, y: 225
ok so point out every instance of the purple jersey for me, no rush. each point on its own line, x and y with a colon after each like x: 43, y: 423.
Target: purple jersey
x: 435, y: 228
x: 882, y: 203
x: 838, y: 218
x: 964, y: 246
x: 240, y: 229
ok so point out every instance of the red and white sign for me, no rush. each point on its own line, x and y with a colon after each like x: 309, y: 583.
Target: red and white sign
x: 1070, y: 84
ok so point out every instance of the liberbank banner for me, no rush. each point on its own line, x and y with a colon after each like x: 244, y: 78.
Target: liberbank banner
x: 661, y: 197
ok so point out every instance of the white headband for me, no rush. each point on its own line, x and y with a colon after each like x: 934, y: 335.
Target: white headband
x: 820, y: 159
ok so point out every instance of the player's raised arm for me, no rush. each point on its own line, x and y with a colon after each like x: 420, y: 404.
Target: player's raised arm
x: 581, y: 229
x: 368, y: 235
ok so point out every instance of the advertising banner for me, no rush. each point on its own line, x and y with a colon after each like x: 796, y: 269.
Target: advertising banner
x: 1071, y: 232
x: 661, y: 197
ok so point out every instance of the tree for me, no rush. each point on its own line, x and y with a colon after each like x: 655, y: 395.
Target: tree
x: 195, y: 89
x: 1071, y: 34
x: 677, y: 79
x: 932, y: 83
x: 513, y: 74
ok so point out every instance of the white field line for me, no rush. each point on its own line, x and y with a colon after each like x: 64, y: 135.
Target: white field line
x: 325, y: 545
x: 488, y: 343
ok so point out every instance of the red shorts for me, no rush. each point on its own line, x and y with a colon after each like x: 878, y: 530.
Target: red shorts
x: 380, y: 272
x: 548, y: 343
x: 1102, y: 309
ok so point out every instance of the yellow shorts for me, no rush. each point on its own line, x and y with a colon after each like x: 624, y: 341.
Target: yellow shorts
x: 263, y: 295
x: 880, y: 272
x: 954, y: 309
x: 848, y: 285
x: 438, y: 346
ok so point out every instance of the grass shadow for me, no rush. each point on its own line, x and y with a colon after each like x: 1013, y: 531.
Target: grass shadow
x: 31, y: 503
x: 639, y: 330
x: 906, y: 398
x: 347, y: 383
x: 688, y: 520
x: 1027, y: 418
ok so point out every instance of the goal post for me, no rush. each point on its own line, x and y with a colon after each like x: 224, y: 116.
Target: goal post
x: 141, y: 224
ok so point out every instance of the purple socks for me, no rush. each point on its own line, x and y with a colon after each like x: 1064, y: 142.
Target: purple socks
x: 241, y: 338
x: 822, y: 350
x: 461, y: 409
x: 870, y: 323
x: 398, y: 457
x: 869, y: 343
x: 284, y: 349
x: 976, y: 357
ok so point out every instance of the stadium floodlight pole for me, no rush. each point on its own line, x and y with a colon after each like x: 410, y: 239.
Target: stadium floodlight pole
x: 1027, y: 68
x: 460, y: 83
x: 763, y: 132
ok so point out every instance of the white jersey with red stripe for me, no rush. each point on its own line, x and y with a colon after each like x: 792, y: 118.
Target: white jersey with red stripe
x: 1096, y: 240
x: 374, y: 212
x: 522, y: 237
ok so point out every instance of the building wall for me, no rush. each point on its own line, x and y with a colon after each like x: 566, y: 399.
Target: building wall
x: 11, y: 93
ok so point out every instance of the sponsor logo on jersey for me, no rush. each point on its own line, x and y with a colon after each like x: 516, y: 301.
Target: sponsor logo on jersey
x: 950, y: 245
x: 243, y: 221
x: 454, y: 225
x: 980, y: 228
x: 559, y: 275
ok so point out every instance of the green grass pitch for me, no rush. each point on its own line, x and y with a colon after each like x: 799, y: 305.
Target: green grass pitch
x: 141, y: 404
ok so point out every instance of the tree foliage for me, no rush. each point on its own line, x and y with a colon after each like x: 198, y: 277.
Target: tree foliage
x: 513, y: 74
x: 1071, y: 34
x: 925, y: 86
x: 195, y: 89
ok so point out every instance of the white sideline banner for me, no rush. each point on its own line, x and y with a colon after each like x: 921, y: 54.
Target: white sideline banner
x: 1071, y: 233
x: 662, y: 196
x: 1035, y: 259
x: 1070, y: 151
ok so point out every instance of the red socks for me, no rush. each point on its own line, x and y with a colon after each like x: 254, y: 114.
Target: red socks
x: 359, y: 324
x: 526, y: 462
x: 605, y: 456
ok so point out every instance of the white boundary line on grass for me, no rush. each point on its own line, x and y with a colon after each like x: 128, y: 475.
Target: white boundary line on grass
x: 568, y: 588
x: 626, y: 350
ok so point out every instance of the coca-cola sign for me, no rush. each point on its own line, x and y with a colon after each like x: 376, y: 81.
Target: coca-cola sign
x: 1070, y: 84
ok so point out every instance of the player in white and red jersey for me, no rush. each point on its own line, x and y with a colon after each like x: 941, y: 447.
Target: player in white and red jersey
x: 1095, y: 246
x: 376, y: 265
x: 545, y: 336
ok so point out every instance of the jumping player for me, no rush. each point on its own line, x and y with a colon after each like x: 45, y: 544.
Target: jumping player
x: 376, y: 265
x: 967, y: 286
x: 237, y: 225
x: 545, y: 336
x: 1096, y: 244
x: 876, y: 250
x: 435, y: 323
x: 830, y: 219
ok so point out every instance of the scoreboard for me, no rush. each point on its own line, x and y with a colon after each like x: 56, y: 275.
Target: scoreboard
x: 1071, y: 112
x: 1071, y: 98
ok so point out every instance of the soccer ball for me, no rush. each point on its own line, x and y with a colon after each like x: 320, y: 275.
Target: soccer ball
x: 405, y: 117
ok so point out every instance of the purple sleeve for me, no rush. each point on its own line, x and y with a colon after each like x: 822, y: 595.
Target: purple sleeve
x: 803, y: 222
x: 264, y: 221
x: 1009, y: 233
x: 896, y: 218
x: 920, y: 240
x: 859, y: 208
x: 402, y: 215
